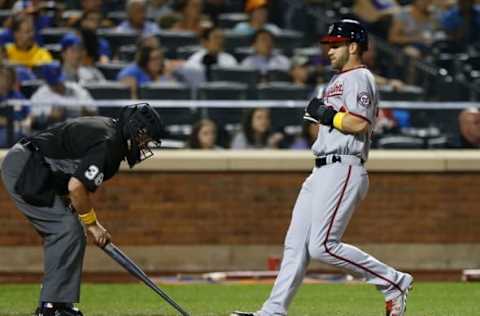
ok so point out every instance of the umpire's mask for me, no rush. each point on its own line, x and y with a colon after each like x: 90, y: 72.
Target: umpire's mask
x: 141, y: 128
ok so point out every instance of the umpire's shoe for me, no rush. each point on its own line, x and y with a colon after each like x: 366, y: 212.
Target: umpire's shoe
x: 64, y: 310
x: 243, y: 314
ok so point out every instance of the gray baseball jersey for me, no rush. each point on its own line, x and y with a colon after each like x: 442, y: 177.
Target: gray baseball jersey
x: 351, y: 91
x: 328, y: 199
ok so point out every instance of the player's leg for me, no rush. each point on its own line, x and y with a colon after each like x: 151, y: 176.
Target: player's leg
x: 62, y: 233
x: 341, y: 189
x: 295, y: 257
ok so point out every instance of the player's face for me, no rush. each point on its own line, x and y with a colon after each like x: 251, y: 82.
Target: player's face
x: 338, y: 54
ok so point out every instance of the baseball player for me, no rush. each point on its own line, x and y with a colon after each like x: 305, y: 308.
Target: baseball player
x: 52, y: 176
x: 346, y: 112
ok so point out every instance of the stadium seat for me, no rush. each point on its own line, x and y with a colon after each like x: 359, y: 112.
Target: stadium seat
x: 55, y: 50
x: 278, y: 76
x: 282, y: 91
x: 400, y: 142
x: 110, y: 70
x: 234, y: 40
x: 407, y: 93
x: 223, y: 90
x: 53, y: 35
x: 172, y: 40
x: 289, y: 40
x: 229, y: 20
x: 185, y: 52
x: 126, y: 53
x: 4, y: 14
x: 118, y: 39
x: 169, y: 91
x: 117, y: 16
x: 108, y: 90
x: 27, y: 88
x: 284, y: 116
x: 236, y: 74
x: 165, y: 91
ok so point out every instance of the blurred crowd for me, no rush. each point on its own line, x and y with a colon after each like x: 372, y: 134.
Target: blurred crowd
x: 54, y: 51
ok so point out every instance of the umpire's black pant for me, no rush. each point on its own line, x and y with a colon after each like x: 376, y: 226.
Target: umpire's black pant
x: 62, y: 233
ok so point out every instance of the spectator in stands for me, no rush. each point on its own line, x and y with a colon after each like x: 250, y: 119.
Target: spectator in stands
x: 308, y: 136
x: 136, y: 19
x: 256, y: 131
x: 413, y: 28
x: 72, y: 56
x: 9, y: 91
x: 191, y: 19
x: 299, y: 71
x: 90, y: 6
x: 462, y: 23
x: 158, y: 8
x: 264, y: 57
x: 469, y: 122
x: 24, y: 51
x: 204, y: 135
x: 57, y: 90
x: 33, y: 9
x: 97, y: 48
x: 212, y: 54
x: 149, y: 66
x: 258, y: 19
x: 6, y: 4
x: 376, y: 15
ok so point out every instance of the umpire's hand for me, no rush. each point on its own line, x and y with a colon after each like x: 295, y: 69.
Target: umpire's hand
x: 99, y: 234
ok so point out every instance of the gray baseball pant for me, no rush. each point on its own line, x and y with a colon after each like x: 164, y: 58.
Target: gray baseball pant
x: 321, y: 214
x: 63, y: 236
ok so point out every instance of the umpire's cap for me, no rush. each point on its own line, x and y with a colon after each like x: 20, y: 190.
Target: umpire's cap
x: 347, y: 30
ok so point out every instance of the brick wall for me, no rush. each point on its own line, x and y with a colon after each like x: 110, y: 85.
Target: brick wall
x: 220, y: 208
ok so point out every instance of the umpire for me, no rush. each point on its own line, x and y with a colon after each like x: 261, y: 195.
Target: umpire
x: 51, y: 177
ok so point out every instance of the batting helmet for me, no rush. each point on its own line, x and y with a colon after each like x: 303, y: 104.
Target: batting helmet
x: 141, y: 125
x: 347, y: 30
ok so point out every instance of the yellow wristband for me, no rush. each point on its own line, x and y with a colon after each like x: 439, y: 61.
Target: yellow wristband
x: 88, y: 218
x: 338, y: 120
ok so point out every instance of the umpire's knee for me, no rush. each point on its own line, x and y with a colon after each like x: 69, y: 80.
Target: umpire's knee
x: 73, y: 232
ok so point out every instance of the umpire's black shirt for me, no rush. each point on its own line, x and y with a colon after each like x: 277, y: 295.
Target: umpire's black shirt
x: 88, y: 148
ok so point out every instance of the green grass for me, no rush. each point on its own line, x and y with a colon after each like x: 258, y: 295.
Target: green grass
x: 427, y: 299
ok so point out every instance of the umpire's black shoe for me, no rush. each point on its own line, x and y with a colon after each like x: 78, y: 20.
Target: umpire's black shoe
x: 243, y: 314
x: 55, y: 311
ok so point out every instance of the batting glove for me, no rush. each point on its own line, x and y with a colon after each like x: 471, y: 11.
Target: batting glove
x: 318, y: 112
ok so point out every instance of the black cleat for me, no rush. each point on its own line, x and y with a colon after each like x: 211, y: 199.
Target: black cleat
x: 63, y: 311
x: 243, y: 314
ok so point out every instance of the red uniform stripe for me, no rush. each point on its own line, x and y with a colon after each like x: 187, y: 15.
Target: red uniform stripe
x: 340, y: 257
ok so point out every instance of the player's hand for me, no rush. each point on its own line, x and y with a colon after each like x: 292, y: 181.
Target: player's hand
x: 100, y: 235
x: 318, y: 112
x: 311, y: 110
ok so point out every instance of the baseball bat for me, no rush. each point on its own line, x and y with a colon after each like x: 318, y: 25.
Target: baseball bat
x: 116, y: 254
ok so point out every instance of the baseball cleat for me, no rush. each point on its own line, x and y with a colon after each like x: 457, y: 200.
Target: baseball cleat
x: 243, y: 314
x: 398, y: 305
x: 52, y: 311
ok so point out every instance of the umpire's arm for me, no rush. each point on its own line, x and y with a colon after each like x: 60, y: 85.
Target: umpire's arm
x: 82, y: 203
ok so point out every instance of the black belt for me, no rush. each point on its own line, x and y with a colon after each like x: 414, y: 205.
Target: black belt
x: 322, y: 161
x: 325, y: 160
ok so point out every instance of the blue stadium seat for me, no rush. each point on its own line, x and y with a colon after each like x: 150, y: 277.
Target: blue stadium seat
x: 110, y: 70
